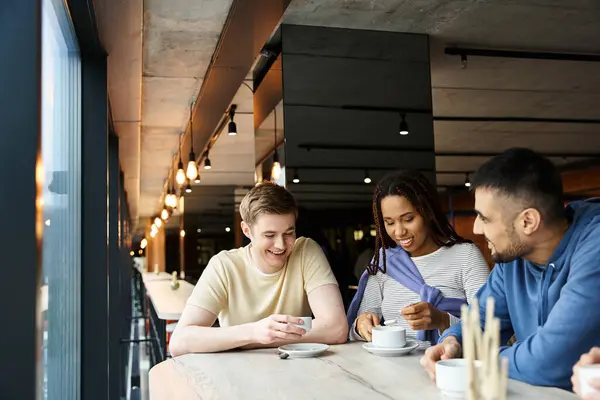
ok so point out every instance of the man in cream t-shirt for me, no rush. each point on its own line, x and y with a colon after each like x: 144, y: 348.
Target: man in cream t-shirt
x: 258, y: 290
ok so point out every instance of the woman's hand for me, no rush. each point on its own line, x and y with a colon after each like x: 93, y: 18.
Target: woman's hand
x: 423, y: 316
x: 365, y: 323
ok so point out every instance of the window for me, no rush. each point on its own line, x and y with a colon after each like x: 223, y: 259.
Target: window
x: 61, y: 160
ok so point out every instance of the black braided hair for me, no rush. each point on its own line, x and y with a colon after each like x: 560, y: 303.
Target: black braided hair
x: 422, y: 195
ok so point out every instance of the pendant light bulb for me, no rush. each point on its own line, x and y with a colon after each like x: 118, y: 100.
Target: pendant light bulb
x: 232, y: 131
x: 158, y: 222
x: 467, y: 181
x: 403, y: 126
x: 367, y: 177
x: 276, y: 171
x: 192, y: 170
x: 296, y: 177
x: 180, y: 176
x: 188, y: 188
x: 171, y: 200
x: 197, y: 180
x: 164, y: 214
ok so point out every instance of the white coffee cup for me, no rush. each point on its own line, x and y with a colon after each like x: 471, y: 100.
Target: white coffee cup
x: 451, y: 377
x: 587, y: 373
x: 307, y: 326
x: 389, y: 336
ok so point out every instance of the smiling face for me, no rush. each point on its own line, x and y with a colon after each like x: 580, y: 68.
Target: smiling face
x: 273, y: 237
x: 406, y: 226
x: 504, y: 227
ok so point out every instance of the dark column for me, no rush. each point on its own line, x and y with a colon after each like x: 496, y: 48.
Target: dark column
x: 115, y: 262
x: 20, y: 245
x: 94, y: 271
x: 344, y: 93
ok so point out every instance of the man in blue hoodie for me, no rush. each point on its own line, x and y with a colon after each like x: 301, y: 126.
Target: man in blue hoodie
x: 547, y: 276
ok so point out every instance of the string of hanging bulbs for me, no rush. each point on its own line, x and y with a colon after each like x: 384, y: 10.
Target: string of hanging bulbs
x: 191, y: 173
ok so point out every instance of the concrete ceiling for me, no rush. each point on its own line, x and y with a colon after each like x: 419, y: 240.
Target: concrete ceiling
x: 150, y: 98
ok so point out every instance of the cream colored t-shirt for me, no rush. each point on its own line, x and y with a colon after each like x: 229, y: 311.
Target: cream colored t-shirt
x: 235, y: 290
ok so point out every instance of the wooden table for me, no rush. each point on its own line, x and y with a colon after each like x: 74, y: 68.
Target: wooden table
x: 345, y: 372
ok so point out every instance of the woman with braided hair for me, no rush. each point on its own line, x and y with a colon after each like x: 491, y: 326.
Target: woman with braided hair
x: 422, y: 271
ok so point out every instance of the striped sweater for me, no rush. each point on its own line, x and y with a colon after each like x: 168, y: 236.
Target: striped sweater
x: 457, y: 271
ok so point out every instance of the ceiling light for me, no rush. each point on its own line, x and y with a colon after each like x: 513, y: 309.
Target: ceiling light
x: 296, y: 177
x: 180, y: 176
x: 228, y: 229
x: 198, y: 230
x: 188, y: 188
x: 276, y: 170
x: 207, y: 162
x: 182, y: 233
x: 131, y: 253
x: 467, y: 181
x: 164, y: 214
x: 192, y: 168
x: 197, y: 180
x: 158, y: 222
x: 143, y: 243
x: 232, y: 129
x: 403, y: 126
x: 367, y: 177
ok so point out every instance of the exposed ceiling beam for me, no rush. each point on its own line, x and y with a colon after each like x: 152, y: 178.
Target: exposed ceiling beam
x: 517, y: 119
x: 535, y: 55
x: 407, y: 149
x: 358, y: 168
x: 249, y: 25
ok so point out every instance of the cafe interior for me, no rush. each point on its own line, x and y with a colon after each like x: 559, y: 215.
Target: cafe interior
x: 133, y: 129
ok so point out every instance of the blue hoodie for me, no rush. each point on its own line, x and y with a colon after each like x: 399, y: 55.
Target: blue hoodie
x: 554, y: 309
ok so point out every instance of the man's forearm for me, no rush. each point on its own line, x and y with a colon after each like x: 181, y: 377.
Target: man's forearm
x: 328, y: 332
x: 200, y: 339
x: 320, y: 333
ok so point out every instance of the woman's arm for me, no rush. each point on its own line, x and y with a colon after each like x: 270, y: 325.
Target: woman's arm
x: 370, y: 303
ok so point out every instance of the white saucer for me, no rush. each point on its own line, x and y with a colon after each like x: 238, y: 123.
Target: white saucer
x: 391, y: 351
x: 299, y: 350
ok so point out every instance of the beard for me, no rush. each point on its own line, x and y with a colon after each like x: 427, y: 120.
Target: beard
x: 515, y: 249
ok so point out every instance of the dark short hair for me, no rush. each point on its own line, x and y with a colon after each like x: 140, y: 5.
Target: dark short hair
x: 525, y: 175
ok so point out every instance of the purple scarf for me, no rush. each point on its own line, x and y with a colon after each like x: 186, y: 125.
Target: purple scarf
x: 404, y: 271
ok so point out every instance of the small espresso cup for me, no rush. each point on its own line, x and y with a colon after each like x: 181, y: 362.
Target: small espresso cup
x: 389, y: 336
x: 307, y: 326
x: 586, y: 374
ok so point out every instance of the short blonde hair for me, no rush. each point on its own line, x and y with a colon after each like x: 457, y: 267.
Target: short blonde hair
x: 267, y: 198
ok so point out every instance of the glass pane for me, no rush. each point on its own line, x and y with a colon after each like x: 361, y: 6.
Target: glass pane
x: 61, y: 158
